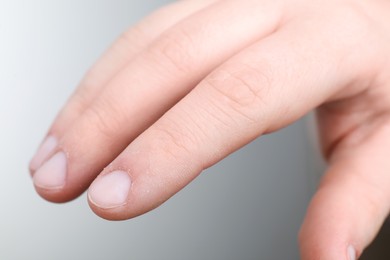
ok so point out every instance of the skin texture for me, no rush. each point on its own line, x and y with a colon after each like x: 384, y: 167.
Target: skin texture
x: 197, y: 80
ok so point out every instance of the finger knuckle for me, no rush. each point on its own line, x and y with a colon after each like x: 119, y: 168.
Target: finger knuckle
x: 175, y: 48
x: 105, y: 118
x: 175, y: 139
x: 241, y: 88
x: 79, y: 101
x: 132, y: 39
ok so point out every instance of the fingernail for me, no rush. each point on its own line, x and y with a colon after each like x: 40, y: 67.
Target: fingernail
x: 111, y: 190
x: 46, y: 148
x: 52, y: 174
x: 351, y: 253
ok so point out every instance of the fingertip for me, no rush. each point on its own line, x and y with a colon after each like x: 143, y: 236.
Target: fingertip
x: 112, y: 214
x: 46, y: 148
x: 332, y: 226
x: 50, y: 178
x: 52, y: 183
x: 351, y: 253
x: 110, y: 190
x: 111, y: 197
x: 130, y: 187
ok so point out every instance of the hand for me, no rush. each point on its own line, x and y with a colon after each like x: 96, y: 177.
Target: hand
x: 199, y: 79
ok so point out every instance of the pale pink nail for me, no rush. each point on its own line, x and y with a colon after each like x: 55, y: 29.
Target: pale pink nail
x: 351, y: 253
x: 44, y: 151
x: 52, y: 174
x: 111, y: 190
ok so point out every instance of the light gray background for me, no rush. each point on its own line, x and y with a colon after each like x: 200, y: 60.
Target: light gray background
x: 249, y: 206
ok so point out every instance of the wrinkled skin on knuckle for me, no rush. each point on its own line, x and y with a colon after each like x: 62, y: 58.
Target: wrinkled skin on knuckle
x: 132, y: 38
x: 175, y: 49
x: 175, y: 139
x: 105, y: 118
x: 241, y: 89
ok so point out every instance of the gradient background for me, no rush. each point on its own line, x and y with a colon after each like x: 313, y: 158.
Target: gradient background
x: 249, y: 206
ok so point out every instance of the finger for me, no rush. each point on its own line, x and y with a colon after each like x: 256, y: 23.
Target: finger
x: 119, y: 54
x: 353, y: 199
x: 262, y: 89
x: 148, y: 86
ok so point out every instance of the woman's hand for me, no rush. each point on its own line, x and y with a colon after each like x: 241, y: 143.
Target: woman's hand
x: 199, y: 79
